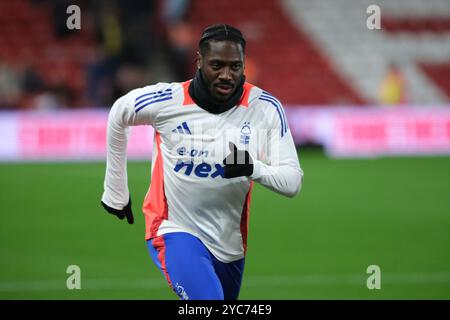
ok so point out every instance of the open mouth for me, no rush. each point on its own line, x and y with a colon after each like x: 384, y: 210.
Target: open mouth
x: 224, y: 89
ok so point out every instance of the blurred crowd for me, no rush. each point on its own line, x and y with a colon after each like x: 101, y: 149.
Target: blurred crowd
x: 121, y: 45
x: 294, y: 50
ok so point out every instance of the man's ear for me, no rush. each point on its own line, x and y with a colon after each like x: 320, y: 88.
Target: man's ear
x: 199, y: 60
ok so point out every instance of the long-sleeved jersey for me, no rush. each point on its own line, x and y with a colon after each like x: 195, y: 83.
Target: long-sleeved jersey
x: 188, y: 191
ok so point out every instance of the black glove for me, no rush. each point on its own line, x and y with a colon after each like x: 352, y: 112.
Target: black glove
x: 238, y: 163
x: 125, y: 212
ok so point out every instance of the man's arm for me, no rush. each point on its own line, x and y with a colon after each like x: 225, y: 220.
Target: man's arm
x: 116, y: 194
x: 139, y: 107
x: 278, y: 167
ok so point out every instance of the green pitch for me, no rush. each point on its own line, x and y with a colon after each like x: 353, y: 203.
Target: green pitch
x: 390, y: 212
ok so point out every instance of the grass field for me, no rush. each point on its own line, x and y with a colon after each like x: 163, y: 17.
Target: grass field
x: 390, y: 212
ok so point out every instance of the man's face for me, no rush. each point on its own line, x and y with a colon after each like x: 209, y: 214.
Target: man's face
x: 222, y: 66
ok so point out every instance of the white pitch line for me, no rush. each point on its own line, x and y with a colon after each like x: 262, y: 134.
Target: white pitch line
x: 88, y: 284
x: 356, y: 279
x: 250, y: 281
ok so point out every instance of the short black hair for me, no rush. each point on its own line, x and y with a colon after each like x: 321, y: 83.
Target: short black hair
x: 220, y: 32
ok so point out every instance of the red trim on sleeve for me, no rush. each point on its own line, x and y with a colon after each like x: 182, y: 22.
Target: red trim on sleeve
x: 187, y: 97
x: 245, y: 96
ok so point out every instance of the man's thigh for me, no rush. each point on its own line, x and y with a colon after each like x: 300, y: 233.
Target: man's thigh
x: 187, y: 266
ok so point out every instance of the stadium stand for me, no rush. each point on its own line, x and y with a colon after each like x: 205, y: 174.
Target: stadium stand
x: 291, y: 66
x: 413, y: 34
x: 304, y: 52
x: 29, y: 44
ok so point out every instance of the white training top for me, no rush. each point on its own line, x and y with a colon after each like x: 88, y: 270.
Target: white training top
x: 188, y: 192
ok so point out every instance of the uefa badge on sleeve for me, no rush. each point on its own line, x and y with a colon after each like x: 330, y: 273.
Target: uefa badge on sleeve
x: 245, y: 133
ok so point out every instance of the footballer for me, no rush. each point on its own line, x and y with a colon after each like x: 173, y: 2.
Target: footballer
x: 215, y: 136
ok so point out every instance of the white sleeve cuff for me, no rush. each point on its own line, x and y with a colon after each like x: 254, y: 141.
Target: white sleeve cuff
x: 256, y: 169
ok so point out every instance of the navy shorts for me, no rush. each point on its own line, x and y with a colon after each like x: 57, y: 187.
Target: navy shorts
x: 192, y: 271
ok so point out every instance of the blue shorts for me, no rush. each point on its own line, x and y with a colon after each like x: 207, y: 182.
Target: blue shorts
x: 192, y: 271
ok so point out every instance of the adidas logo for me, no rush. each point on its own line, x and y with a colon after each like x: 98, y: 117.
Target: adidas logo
x: 183, y: 129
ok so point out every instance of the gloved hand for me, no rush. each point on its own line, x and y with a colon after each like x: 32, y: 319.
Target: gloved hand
x: 125, y: 212
x: 238, y: 163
